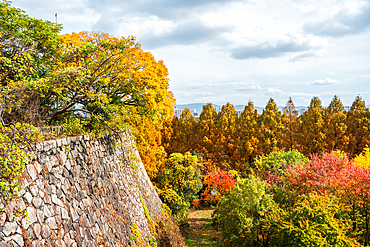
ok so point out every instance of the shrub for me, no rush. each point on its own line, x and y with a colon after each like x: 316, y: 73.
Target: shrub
x: 216, y: 183
x: 273, y: 166
x: 363, y: 159
x: 240, y: 212
x: 322, y: 173
x: 179, y: 183
x: 314, y: 221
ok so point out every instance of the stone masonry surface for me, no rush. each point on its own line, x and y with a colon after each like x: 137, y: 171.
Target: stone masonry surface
x: 80, y: 191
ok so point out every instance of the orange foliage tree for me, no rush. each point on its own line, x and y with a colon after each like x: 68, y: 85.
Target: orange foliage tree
x: 227, y: 137
x: 206, y: 136
x: 358, y: 126
x: 248, y: 131
x: 313, y: 134
x: 271, y: 128
x: 335, y: 126
x: 215, y: 184
x: 118, y: 85
x: 292, y: 133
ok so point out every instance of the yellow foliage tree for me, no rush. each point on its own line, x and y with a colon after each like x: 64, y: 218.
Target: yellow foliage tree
x: 292, y: 127
x: 363, y: 159
x: 335, y: 126
x: 228, y: 140
x: 358, y: 123
x: 248, y: 131
x: 207, y: 136
x: 313, y: 124
x: 271, y: 128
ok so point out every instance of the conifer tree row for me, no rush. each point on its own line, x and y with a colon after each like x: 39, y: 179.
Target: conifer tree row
x: 229, y: 140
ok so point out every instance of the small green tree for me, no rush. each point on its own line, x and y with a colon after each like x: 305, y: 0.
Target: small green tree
x: 241, y: 211
x: 179, y: 183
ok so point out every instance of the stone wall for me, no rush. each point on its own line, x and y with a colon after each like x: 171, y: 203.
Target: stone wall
x: 80, y: 191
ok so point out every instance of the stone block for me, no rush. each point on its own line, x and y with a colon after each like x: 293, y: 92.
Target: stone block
x: 38, y: 166
x: 64, y: 214
x: 59, y: 142
x: 46, y: 231
x: 57, y: 201
x: 34, y: 190
x: 37, y: 230
x: 74, y: 215
x: 49, y: 211
x: 16, y: 240
x: 68, y: 240
x: 37, y: 202
x: 40, y: 215
x: 32, y: 214
x: 32, y: 172
x: 51, y: 223
x: 4, y: 244
x: 9, y: 228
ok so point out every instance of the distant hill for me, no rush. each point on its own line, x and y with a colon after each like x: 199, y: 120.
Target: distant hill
x: 199, y: 107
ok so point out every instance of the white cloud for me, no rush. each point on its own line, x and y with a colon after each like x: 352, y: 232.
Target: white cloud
x: 274, y: 91
x: 289, y: 43
x: 140, y: 26
x: 250, y: 88
x: 326, y: 81
x: 305, y: 56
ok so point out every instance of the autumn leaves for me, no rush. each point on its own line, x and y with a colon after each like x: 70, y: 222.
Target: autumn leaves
x: 232, y: 141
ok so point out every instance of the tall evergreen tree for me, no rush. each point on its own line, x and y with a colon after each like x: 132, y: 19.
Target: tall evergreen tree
x: 292, y: 127
x: 186, y: 136
x: 358, y: 123
x: 313, y: 124
x: 335, y: 126
x: 207, y: 135
x: 248, y: 131
x: 228, y: 139
x: 272, y: 128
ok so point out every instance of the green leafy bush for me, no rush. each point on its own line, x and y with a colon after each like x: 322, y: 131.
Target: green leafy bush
x: 14, y: 141
x: 179, y: 183
x: 241, y: 211
x: 275, y: 164
x: 315, y: 220
x: 73, y: 127
x: 273, y: 168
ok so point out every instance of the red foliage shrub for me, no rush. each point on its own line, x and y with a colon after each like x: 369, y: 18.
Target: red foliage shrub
x: 323, y: 172
x: 216, y: 183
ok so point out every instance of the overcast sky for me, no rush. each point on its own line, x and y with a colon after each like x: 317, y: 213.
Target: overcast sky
x: 234, y: 51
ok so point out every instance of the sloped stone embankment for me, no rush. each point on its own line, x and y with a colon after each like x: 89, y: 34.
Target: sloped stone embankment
x: 80, y: 191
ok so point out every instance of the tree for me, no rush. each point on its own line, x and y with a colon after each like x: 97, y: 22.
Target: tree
x: 186, y: 135
x: 322, y: 173
x: 292, y: 127
x: 241, y: 211
x: 358, y: 125
x: 29, y: 49
x: 335, y: 126
x: 207, y: 136
x: 179, y: 182
x: 107, y: 76
x: 227, y: 137
x: 313, y: 134
x: 313, y: 221
x: 272, y: 128
x: 169, y: 133
x: 216, y: 184
x: 248, y: 131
